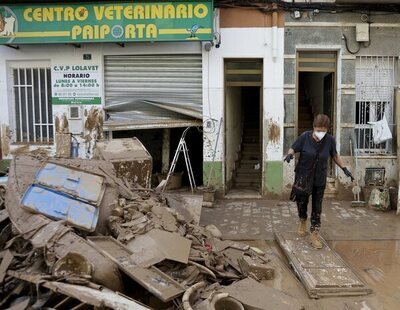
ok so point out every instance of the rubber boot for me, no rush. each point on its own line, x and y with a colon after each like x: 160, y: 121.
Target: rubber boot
x: 301, y: 230
x: 314, y: 240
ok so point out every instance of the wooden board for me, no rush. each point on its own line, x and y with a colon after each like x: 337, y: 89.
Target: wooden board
x: 152, y: 279
x: 323, y: 272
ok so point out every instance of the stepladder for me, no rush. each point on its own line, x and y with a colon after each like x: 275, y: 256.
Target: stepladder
x: 182, y: 148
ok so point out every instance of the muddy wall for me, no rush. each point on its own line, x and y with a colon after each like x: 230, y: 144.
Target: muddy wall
x: 323, y: 32
x: 245, y: 39
x: 88, y: 126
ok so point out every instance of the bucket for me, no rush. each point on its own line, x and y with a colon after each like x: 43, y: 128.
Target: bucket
x: 227, y: 303
x: 208, y: 193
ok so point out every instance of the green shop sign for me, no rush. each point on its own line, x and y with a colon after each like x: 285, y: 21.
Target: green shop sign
x: 107, y: 22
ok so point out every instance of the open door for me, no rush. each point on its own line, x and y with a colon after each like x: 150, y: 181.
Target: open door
x: 316, y: 90
x: 243, y: 126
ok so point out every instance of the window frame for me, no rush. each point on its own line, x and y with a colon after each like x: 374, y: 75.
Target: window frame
x: 26, y: 64
x: 388, y: 148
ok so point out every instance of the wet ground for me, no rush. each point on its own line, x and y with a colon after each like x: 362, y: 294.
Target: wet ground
x: 254, y: 219
x: 368, y: 240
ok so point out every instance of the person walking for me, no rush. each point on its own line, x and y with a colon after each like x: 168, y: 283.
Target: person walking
x: 315, y: 147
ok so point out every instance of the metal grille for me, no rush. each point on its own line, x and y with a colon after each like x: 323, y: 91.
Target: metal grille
x: 375, y: 82
x: 33, y: 109
x: 153, y: 87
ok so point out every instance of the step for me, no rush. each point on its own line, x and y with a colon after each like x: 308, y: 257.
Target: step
x: 247, y: 179
x: 250, y: 152
x: 250, y: 146
x: 252, y: 132
x: 252, y: 156
x: 249, y: 169
x: 242, y: 172
x: 305, y: 116
x: 248, y: 165
x: 305, y: 109
x: 247, y: 185
x: 247, y: 139
x: 249, y: 161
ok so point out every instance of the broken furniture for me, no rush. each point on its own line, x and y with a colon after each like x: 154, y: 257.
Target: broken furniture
x: 44, y: 232
x: 154, y: 280
x: 157, y: 252
x: 131, y: 160
x: 65, y: 193
x: 322, y: 271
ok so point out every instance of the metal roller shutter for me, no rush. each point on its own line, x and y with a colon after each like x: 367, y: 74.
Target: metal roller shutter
x: 153, y: 90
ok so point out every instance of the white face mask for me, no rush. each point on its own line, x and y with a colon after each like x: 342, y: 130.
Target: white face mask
x: 320, y: 134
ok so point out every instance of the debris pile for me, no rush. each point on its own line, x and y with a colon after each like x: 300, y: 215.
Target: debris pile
x: 147, y: 250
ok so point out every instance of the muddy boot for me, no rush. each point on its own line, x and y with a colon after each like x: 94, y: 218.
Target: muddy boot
x: 301, y: 230
x: 314, y: 240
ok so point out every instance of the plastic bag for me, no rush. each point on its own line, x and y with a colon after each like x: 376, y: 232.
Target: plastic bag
x: 381, y: 131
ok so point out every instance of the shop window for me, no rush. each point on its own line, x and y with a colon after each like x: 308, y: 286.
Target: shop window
x: 375, y: 82
x: 32, y: 104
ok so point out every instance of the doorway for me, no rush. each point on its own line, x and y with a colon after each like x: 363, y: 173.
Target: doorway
x: 243, y: 126
x: 316, y: 90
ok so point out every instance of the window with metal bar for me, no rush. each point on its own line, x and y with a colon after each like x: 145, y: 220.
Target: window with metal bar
x: 33, y: 109
x: 375, y: 82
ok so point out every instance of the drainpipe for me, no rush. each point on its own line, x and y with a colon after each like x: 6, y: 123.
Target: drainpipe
x: 275, y: 32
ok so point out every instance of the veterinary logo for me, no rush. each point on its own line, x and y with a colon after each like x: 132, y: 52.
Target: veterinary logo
x: 8, y: 25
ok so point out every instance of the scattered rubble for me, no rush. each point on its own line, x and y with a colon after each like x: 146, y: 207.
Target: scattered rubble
x: 144, y: 250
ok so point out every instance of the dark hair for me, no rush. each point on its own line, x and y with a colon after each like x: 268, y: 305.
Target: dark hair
x: 322, y: 120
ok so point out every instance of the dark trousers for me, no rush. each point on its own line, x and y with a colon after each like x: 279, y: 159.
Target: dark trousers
x: 316, y: 202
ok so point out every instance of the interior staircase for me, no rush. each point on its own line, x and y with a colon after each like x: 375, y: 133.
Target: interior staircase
x: 305, y: 118
x: 247, y: 174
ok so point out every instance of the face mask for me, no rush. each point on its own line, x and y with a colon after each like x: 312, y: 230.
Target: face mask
x: 320, y: 134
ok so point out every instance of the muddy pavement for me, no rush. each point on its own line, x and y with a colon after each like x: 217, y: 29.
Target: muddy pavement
x: 366, y: 239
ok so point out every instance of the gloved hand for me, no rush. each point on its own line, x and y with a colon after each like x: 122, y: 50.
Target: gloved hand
x: 348, y: 173
x: 288, y: 158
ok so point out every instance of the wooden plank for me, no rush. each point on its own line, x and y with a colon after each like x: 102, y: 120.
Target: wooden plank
x: 323, y: 272
x: 5, y: 263
x: 315, y: 59
x: 153, y: 279
x: 243, y: 71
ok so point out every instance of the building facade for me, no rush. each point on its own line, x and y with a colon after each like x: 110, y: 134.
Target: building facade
x: 247, y: 78
x: 345, y: 65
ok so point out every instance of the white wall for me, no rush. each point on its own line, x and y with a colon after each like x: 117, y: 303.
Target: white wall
x: 68, y: 54
x: 245, y: 43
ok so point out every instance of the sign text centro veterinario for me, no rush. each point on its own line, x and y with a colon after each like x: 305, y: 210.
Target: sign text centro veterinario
x: 107, y: 22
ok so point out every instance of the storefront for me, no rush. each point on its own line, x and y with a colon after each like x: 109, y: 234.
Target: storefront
x: 102, y: 70
x: 149, y: 70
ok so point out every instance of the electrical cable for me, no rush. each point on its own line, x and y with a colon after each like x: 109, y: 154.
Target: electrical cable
x: 347, y: 47
x: 265, y: 6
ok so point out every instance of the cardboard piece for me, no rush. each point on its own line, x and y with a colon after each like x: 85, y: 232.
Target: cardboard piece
x: 3, y: 215
x: 153, y: 279
x: 5, y: 263
x: 256, y: 296
x: 158, y: 245
x: 250, y: 266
